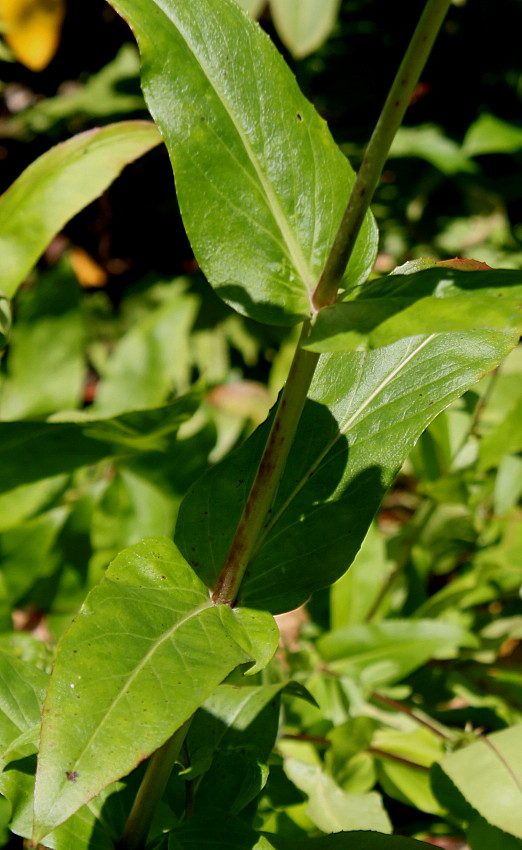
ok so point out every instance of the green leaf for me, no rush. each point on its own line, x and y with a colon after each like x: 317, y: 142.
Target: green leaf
x: 151, y: 361
x: 214, y: 830
x: 429, y: 142
x: 489, y: 134
x: 46, y: 365
x: 147, y: 648
x: 364, y: 413
x: 30, y: 451
x: 57, y: 186
x: 482, y: 836
x: 354, y: 595
x: 437, y: 300
x: 488, y: 774
x: 505, y: 439
x: 304, y: 25
x: 21, y: 694
x: 331, y: 808
x: 408, y: 783
x: 28, y: 551
x: 262, y: 187
x: 387, y: 651
x: 253, y: 7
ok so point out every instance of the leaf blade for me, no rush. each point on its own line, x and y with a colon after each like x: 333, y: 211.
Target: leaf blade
x: 58, y: 185
x: 257, y: 172
x: 152, y: 627
x: 364, y: 413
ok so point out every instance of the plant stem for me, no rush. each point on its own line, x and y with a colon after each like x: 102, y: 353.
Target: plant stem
x: 419, y: 716
x: 269, y: 473
x: 151, y: 791
x: 378, y: 148
x: 292, y: 400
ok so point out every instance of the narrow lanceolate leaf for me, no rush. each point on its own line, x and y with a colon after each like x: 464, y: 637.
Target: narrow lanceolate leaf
x: 437, y: 300
x: 147, y: 648
x: 57, y: 186
x: 497, y: 757
x: 261, y: 184
x: 365, y: 412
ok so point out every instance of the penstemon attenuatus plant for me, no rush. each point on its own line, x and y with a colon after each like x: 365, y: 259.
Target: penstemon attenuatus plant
x: 281, y: 227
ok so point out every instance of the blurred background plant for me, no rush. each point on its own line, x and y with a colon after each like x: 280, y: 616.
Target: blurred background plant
x: 416, y: 651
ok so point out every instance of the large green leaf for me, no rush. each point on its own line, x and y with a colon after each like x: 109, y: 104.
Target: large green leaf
x: 261, y: 184
x: 364, y: 414
x: 147, y: 648
x: 488, y: 774
x: 30, y: 451
x: 437, y: 300
x: 57, y: 186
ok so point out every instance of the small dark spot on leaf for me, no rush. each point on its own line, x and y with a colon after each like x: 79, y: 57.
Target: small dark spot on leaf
x: 163, y: 577
x: 72, y: 775
x: 299, y: 116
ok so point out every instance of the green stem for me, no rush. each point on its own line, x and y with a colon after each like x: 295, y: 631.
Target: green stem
x: 151, y: 791
x: 269, y: 473
x: 271, y: 467
x: 378, y: 148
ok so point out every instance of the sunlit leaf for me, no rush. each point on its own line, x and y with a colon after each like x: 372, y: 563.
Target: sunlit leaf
x: 261, y: 184
x: 437, y: 300
x: 331, y: 808
x: 147, y: 648
x: 488, y: 775
x: 57, y: 186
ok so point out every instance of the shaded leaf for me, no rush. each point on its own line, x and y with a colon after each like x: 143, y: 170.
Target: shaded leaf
x: 33, y: 450
x: 262, y: 187
x: 364, y: 413
x: 58, y: 185
x: 437, y: 300
x: 147, y: 648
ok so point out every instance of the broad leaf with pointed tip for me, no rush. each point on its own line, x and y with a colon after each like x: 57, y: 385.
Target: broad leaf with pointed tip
x: 57, y: 186
x: 437, y: 300
x: 365, y: 412
x: 145, y: 651
x: 261, y: 184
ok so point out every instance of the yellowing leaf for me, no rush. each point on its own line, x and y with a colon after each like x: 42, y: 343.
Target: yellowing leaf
x: 32, y: 29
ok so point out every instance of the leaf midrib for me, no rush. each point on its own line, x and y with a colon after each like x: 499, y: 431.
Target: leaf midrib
x: 294, y: 249
x: 124, y: 690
